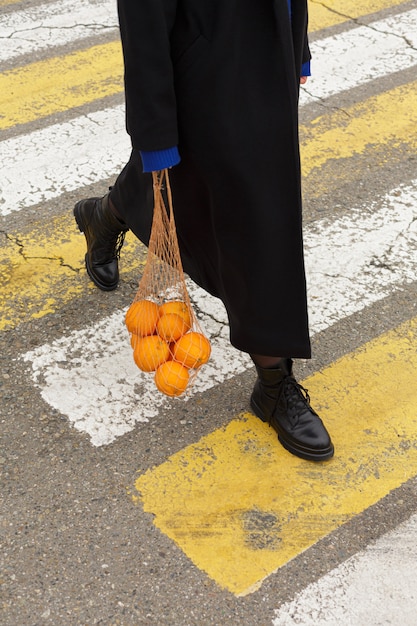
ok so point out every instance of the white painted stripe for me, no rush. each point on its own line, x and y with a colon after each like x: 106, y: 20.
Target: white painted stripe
x: 41, y: 165
x: 360, y: 55
x: 57, y: 24
x: 374, y: 587
x: 359, y: 259
x: 90, y: 375
x: 351, y: 262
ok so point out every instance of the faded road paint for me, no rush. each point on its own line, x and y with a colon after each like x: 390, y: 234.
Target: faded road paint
x: 322, y: 15
x: 44, y: 270
x: 369, y: 588
x: 45, y: 26
x: 332, y: 12
x: 282, y: 505
x: 370, y: 52
x: 45, y: 163
x: 48, y: 87
x: 362, y: 129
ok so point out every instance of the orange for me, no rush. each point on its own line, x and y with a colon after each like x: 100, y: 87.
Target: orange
x: 134, y: 339
x: 172, y: 378
x: 178, y: 307
x: 192, y: 350
x: 142, y: 317
x: 150, y: 352
x: 171, y: 326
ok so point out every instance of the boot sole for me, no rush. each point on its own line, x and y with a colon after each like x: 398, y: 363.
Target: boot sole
x: 97, y: 282
x: 307, y: 454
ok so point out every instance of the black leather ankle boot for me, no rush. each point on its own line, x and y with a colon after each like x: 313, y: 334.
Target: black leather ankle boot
x: 278, y: 399
x: 104, y: 234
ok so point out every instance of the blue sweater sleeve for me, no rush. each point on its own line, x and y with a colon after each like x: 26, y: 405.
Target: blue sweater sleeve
x: 306, y: 69
x: 156, y: 160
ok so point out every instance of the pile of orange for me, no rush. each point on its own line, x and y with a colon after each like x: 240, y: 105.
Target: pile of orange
x: 163, y: 342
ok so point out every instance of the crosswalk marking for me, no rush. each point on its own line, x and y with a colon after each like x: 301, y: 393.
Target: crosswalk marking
x: 359, y: 259
x: 369, y: 588
x: 96, y: 146
x: 64, y: 21
x: 96, y: 402
x: 6, y: 2
x: 351, y: 263
x: 45, y: 163
x: 285, y: 505
x: 360, y: 55
x: 48, y: 87
x: 361, y: 129
x: 43, y: 27
x: 43, y: 271
x: 38, y: 166
x: 87, y: 75
x: 333, y: 12
x: 324, y: 14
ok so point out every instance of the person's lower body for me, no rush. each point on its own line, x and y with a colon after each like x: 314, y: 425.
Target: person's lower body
x: 277, y: 397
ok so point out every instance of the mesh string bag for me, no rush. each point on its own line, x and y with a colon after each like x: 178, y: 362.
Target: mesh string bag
x: 165, y: 334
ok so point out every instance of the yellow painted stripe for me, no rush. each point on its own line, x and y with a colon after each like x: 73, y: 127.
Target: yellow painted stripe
x: 43, y: 270
x: 328, y: 141
x: 382, y: 124
x: 240, y: 506
x: 332, y: 12
x: 58, y: 84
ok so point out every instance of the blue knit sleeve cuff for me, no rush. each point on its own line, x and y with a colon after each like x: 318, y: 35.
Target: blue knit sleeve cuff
x: 156, y: 160
x: 306, y: 69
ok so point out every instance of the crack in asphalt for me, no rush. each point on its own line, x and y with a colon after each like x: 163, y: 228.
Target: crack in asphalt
x: 19, y: 34
x: 27, y: 257
x: 371, y: 26
x: 332, y: 10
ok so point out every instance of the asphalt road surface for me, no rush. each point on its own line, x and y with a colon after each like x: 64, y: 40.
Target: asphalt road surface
x: 121, y: 506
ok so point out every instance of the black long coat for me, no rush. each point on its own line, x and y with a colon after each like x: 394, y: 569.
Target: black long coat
x: 220, y: 79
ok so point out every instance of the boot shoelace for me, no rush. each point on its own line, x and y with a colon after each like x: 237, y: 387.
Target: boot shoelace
x: 119, y: 243
x: 112, y: 244
x: 293, y: 398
